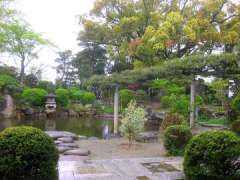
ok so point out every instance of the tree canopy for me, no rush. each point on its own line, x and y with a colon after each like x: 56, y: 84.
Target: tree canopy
x: 151, y: 31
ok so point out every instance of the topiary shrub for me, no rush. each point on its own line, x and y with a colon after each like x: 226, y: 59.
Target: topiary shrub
x: 27, y: 154
x: 62, y: 97
x: 34, y: 96
x: 172, y: 119
x: 176, y: 138
x: 213, y: 155
x: 235, y: 127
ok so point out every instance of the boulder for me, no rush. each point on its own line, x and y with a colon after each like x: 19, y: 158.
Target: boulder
x: 151, y: 136
x: 77, y: 152
x: 66, y: 139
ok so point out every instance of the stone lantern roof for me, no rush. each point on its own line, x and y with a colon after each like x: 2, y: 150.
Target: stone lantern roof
x: 51, y: 95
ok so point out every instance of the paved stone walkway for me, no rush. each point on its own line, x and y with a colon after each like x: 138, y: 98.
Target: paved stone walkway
x: 121, y: 169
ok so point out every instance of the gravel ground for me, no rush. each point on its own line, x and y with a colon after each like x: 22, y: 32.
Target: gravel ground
x: 118, y: 148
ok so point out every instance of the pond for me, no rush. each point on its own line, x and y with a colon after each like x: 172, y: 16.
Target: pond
x: 86, y: 127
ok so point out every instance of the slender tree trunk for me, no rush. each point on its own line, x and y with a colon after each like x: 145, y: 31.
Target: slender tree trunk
x: 192, y: 103
x: 22, y: 71
x: 116, y: 106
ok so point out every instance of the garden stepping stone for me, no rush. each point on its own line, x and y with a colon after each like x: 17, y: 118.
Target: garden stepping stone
x: 57, y: 142
x: 59, y: 134
x: 66, y: 139
x: 77, y: 152
x: 70, y: 145
x: 62, y: 149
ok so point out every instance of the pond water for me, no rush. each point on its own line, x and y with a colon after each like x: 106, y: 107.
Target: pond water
x: 86, y: 127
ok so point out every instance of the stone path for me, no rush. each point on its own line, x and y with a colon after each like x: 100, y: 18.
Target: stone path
x: 121, y: 169
x: 75, y: 164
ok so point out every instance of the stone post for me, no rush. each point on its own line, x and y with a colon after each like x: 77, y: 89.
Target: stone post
x: 192, y: 103
x: 116, y: 106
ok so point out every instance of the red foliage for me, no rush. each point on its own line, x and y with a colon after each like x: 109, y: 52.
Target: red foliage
x: 133, y: 87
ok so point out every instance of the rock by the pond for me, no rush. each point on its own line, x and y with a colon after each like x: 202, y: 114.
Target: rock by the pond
x: 62, y: 149
x: 93, y: 138
x: 66, y: 139
x: 150, y: 136
x: 71, y: 145
x: 60, y: 134
x: 82, y: 137
x: 77, y: 152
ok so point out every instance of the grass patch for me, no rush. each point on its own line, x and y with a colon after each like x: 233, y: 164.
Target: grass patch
x: 104, y: 109
x: 215, y: 121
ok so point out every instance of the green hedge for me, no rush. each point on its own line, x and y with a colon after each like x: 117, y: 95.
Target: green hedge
x: 27, y: 153
x: 176, y: 138
x: 84, y: 97
x: 62, y: 97
x: 213, y: 155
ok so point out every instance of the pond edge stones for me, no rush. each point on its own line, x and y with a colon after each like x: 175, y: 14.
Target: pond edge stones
x: 66, y: 145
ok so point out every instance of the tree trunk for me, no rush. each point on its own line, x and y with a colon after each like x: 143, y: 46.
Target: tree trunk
x: 116, y: 104
x: 192, y: 104
x: 22, y: 71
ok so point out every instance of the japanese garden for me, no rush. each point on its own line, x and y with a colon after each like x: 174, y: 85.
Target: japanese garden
x: 152, y: 90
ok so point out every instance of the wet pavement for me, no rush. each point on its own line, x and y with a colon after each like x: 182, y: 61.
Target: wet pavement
x: 120, y: 169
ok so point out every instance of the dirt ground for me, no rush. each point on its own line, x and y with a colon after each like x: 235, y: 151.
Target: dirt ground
x: 118, y: 148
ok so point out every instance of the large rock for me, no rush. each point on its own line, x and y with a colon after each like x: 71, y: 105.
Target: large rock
x: 66, y: 139
x: 60, y: 134
x: 77, y: 152
x: 151, y: 136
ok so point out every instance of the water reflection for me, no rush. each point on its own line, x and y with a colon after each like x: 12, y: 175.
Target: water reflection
x: 86, y: 127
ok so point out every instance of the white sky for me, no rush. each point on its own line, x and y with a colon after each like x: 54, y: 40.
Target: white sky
x: 57, y: 21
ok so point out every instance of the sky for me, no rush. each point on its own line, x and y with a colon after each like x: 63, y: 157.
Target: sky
x: 57, y: 20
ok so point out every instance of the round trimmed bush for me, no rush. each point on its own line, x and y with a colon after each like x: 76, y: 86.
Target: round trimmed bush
x: 34, y: 96
x: 88, y: 98
x: 176, y: 138
x: 213, y: 155
x: 62, y: 97
x: 236, y: 127
x: 27, y: 153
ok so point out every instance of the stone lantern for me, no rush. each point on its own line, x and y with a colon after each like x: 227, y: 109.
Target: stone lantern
x: 50, y: 105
